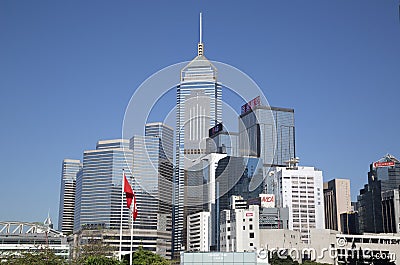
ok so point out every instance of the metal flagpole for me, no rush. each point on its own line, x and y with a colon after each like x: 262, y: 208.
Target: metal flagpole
x: 131, y: 216
x: 122, y: 213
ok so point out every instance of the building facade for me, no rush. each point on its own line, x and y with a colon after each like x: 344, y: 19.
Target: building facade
x: 198, y: 232
x: 391, y: 211
x: 98, y: 188
x: 268, y: 133
x: 152, y: 170
x: 17, y: 237
x: 337, y: 200
x: 302, y: 192
x: 221, y: 141
x: 349, y: 223
x: 70, y: 169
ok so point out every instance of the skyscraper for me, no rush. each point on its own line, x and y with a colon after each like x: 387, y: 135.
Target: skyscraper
x: 263, y: 128
x: 199, y: 108
x: 152, y: 179
x: 384, y: 175
x: 337, y: 200
x: 70, y: 169
x: 98, y: 187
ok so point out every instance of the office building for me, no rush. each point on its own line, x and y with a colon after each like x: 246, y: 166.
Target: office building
x: 384, y: 175
x: 349, y: 223
x: 337, y: 200
x: 199, y: 108
x: 98, y: 187
x: 152, y: 178
x: 391, y: 211
x: 201, y: 192
x: 302, y: 192
x: 198, y: 232
x: 70, y: 169
x: 387, y: 170
x: 238, y: 176
x: 241, y: 226
x: 267, y: 132
x: 221, y: 141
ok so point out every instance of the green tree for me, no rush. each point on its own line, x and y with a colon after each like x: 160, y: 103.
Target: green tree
x: 94, y: 251
x: 146, y: 257
x: 101, y: 260
x: 38, y: 257
x: 286, y: 260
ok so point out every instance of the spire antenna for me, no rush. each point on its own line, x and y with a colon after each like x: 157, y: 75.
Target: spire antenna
x: 200, y: 46
x: 201, y: 28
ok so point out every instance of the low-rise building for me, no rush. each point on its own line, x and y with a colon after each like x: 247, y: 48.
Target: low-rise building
x: 17, y: 237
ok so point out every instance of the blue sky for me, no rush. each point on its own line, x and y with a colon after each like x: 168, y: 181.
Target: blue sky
x: 69, y: 68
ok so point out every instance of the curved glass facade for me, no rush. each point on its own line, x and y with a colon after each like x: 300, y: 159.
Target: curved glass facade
x: 99, y: 186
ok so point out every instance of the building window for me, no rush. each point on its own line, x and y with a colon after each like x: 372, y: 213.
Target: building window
x: 251, y: 227
x: 251, y: 235
x: 244, y: 227
x: 251, y: 244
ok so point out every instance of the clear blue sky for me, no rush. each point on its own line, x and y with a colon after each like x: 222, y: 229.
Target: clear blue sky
x: 69, y: 68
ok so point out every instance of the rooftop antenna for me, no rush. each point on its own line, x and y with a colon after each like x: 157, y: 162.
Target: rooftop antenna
x: 200, y: 46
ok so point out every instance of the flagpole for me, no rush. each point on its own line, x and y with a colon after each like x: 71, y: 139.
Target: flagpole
x: 130, y: 262
x: 131, y: 215
x: 122, y: 213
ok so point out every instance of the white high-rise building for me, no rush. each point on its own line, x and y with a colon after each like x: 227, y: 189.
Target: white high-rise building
x: 199, y: 107
x: 198, y: 231
x: 301, y: 190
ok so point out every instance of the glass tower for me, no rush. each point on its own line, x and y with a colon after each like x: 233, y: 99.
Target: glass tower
x: 199, y: 108
x: 98, y: 186
x: 152, y: 182
x: 266, y: 128
x: 70, y: 168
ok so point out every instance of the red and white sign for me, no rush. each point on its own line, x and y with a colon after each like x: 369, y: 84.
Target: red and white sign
x: 249, y: 214
x: 267, y: 200
x: 251, y: 104
x: 384, y: 164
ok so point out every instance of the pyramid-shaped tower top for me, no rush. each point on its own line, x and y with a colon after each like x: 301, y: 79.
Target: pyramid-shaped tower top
x: 200, y: 63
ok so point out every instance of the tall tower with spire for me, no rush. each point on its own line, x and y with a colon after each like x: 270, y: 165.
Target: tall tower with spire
x: 199, y: 107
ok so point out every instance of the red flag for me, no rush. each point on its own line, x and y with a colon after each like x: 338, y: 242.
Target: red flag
x: 128, y: 191
x: 130, y: 195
